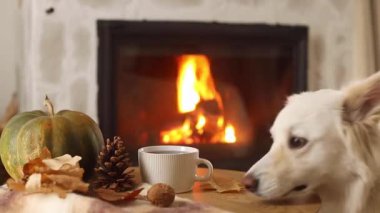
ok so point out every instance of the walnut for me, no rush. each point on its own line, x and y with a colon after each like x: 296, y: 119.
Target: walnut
x: 161, y: 195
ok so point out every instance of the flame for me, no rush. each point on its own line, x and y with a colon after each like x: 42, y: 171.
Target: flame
x: 201, y: 123
x: 178, y: 135
x: 188, y: 96
x: 220, y: 122
x: 194, y: 85
x: 229, y: 134
x: 194, y: 82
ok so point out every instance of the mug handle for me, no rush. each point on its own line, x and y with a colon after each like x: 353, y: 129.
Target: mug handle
x: 210, y: 169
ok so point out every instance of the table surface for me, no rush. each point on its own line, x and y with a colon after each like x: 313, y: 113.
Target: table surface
x: 246, y: 201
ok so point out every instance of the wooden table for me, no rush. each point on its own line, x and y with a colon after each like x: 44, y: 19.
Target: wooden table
x: 246, y: 201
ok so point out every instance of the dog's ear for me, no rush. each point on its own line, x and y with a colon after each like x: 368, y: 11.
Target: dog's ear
x: 361, y: 115
x: 362, y: 99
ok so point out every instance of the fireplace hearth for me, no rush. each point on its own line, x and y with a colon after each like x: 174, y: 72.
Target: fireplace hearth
x: 216, y: 87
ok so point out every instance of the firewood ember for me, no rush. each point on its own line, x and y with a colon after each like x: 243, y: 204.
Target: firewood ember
x: 202, y: 125
x: 210, y: 107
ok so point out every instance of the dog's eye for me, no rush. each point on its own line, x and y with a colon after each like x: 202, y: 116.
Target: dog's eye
x: 297, y: 142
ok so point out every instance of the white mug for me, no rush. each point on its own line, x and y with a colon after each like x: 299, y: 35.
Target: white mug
x: 172, y: 165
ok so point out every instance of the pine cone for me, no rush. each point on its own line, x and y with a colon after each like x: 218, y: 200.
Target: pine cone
x: 112, y: 170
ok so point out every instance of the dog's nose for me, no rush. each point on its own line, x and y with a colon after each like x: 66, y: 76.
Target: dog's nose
x: 251, y: 183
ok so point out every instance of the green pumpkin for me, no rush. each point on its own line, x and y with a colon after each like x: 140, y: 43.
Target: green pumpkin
x: 66, y: 132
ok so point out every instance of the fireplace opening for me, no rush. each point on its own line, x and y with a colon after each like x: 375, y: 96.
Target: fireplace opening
x: 216, y: 87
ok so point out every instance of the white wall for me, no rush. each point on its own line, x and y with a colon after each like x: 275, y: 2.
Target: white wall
x: 9, y: 43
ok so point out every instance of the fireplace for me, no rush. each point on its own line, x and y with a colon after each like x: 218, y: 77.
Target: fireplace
x: 216, y: 87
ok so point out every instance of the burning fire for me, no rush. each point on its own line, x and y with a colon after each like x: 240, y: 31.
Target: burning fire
x: 229, y: 134
x: 200, y: 104
x: 194, y: 83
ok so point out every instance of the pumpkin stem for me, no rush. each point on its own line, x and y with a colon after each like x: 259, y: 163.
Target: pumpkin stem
x: 49, y: 105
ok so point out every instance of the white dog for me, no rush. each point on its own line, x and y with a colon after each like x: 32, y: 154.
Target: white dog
x: 326, y: 142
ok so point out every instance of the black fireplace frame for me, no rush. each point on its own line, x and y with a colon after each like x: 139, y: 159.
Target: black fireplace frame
x: 111, y: 33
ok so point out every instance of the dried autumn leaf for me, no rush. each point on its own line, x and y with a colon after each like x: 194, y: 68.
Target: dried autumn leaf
x: 223, y: 184
x: 45, y: 153
x: 112, y: 196
x: 69, y: 183
x: 61, y: 192
x: 58, y: 162
x: 60, y: 175
x: 15, y: 185
x: 34, y: 166
x: 66, y: 169
x: 34, y: 182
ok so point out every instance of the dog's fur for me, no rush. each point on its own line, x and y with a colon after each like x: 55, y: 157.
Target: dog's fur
x: 341, y: 160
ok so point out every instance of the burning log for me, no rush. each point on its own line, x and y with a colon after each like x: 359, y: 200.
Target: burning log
x: 200, y: 104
